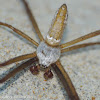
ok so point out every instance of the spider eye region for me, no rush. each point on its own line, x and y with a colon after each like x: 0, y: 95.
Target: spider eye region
x: 47, y: 54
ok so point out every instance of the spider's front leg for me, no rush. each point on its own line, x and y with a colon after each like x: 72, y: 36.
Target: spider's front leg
x: 18, y: 69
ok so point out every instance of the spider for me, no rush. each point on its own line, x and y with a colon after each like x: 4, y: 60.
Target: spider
x: 49, y: 50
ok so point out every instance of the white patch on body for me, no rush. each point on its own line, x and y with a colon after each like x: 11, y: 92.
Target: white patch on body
x: 47, y: 54
x: 52, y: 40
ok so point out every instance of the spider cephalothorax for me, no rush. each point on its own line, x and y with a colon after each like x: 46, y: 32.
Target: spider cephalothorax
x: 47, y: 54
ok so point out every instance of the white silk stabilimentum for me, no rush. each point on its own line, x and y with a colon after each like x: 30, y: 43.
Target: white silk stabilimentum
x: 47, y: 54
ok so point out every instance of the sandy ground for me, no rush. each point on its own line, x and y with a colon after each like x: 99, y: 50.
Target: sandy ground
x: 83, y: 65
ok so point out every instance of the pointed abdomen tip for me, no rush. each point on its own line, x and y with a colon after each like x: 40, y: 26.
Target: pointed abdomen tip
x: 64, y: 6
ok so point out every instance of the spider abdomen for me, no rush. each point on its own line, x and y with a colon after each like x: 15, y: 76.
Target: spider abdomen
x: 55, y: 33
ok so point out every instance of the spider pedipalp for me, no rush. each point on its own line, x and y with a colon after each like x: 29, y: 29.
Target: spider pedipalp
x: 48, y: 74
x: 34, y: 69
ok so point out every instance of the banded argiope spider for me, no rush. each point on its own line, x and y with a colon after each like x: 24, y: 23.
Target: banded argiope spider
x: 52, y: 44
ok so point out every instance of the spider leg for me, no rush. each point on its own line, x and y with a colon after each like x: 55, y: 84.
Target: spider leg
x: 19, y: 68
x: 19, y: 58
x: 20, y: 33
x: 65, y: 79
x: 90, y: 35
x: 79, y: 46
x: 33, y: 21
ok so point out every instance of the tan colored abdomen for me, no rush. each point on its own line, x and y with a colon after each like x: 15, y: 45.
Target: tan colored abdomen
x: 55, y: 33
